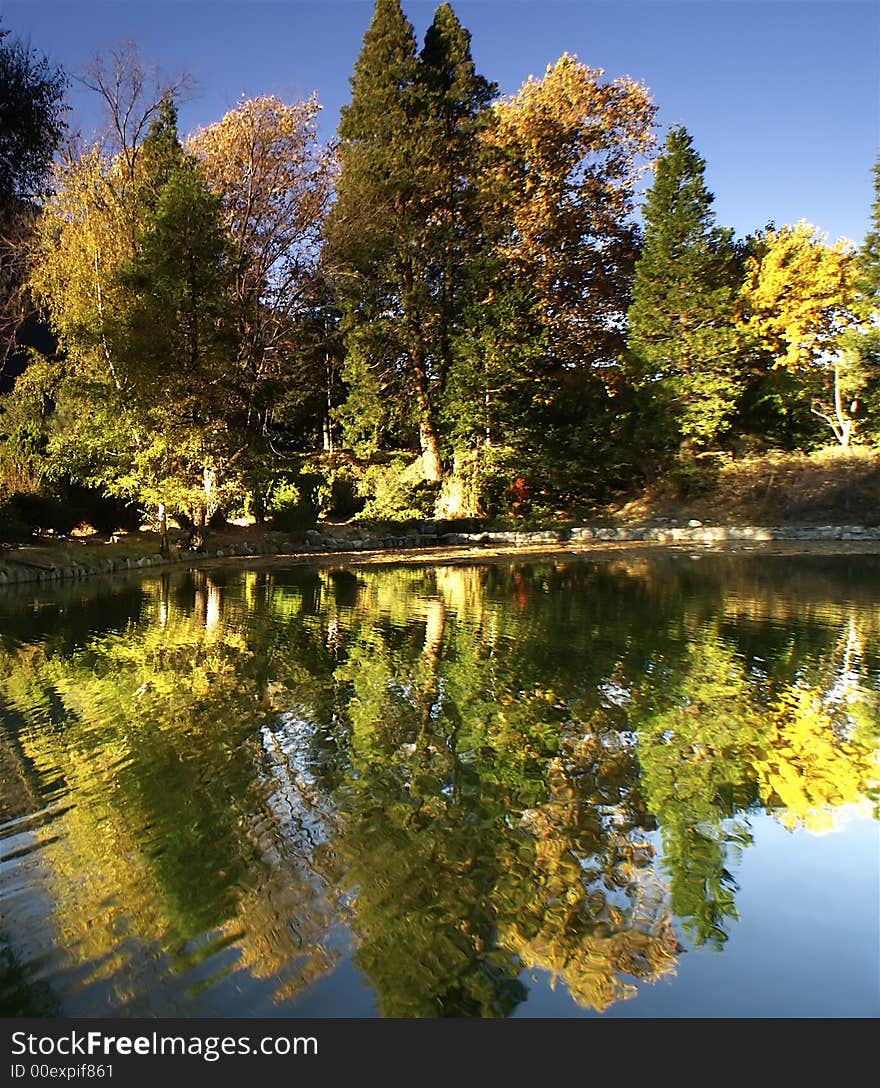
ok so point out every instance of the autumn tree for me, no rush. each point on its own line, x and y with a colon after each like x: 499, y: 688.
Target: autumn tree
x: 561, y: 161
x: 134, y: 266
x: 273, y: 180
x: 681, y: 334
x: 794, y: 307
x: 87, y: 233
x: 567, y: 148
x: 80, y: 397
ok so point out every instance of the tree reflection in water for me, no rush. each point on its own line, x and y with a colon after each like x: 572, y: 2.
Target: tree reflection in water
x: 460, y: 778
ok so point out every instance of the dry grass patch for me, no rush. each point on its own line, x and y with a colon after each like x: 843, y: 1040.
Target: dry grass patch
x: 829, y: 486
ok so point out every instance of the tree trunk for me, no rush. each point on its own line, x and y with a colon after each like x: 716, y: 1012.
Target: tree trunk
x: 328, y: 417
x: 199, y: 529
x: 841, y: 422
x: 430, y: 447
x: 844, y: 421
x: 209, y: 482
x: 429, y: 444
x: 204, y: 511
x: 258, y: 505
x: 163, y: 531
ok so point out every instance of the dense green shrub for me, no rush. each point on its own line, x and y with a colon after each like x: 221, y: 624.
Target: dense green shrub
x: 24, y: 513
x: 13, y: 528
x: 292, y: 502
x: 345, y: 499
x: 44, y: 513
x: 481, y: 483
x: 339, y: 492
x: 396, y: 491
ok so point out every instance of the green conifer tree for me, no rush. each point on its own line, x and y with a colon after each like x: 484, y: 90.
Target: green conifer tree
x: 868, y: 261
x: 682, y: 338
x: 31, y: 120
x: 31, y: 127
x: 861, y: 345
x: 367, y: 229
x: 866, y: 282
x: 177, y: 334
x: 405, y: 227
x: 452, y: 100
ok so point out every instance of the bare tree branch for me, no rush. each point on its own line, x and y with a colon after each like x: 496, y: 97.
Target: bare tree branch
x: 132, y: 93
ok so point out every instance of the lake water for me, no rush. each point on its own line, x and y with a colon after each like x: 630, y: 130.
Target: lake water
x: 636, y: 787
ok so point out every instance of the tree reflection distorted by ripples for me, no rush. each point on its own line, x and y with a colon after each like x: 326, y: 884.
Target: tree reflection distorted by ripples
x: 219, y: 786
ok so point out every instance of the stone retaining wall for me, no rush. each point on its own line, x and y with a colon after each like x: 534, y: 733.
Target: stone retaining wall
x: 691, y: 534
x: 15, y: 570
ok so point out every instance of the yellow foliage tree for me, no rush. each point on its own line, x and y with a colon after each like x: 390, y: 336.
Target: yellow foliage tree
x: 274, y: 182
x: 85, y: 236
x: 794, y: 307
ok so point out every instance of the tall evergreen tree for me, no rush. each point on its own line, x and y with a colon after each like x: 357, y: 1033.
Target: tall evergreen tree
x: 682, y: 337
x: 451, y: 99
x: 861, y: 345
x: 867, y: 278
x: 31, y: 119
x: 177, y: 333
x: 160, y: 156
x: 366, y: 231
x: 405, y: 225
x: 869, y: 254
x: 178, y: 279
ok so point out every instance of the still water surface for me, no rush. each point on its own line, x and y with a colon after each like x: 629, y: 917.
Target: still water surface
x: 643, y: 787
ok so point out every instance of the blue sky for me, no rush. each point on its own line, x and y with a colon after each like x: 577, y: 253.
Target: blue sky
x: 782, y: 97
